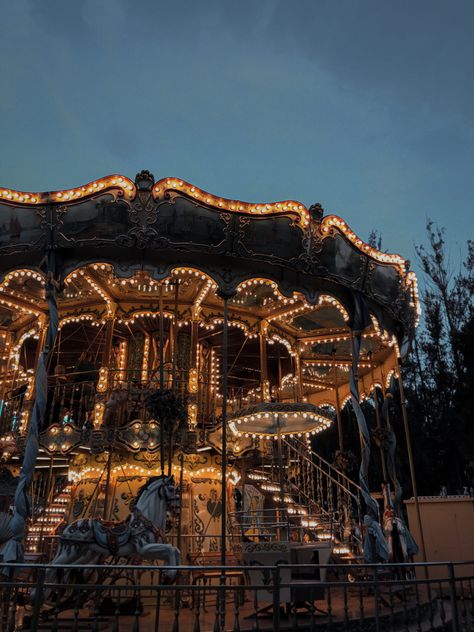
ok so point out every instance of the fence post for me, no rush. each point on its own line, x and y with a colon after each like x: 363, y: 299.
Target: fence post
x: 276, y: 599
x: 452, y: 593
x: 376, y: 598
x: 38, y: 598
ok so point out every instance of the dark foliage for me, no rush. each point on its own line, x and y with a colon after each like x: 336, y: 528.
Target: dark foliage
x: 439, y: 374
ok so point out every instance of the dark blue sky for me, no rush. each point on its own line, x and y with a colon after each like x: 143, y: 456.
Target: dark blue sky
x: 363, y: 105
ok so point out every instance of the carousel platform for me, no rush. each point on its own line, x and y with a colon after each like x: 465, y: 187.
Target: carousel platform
x: 383, y: 597
x: 413, y: 613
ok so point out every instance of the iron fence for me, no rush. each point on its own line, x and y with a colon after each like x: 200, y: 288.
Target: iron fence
x: 405, y: 597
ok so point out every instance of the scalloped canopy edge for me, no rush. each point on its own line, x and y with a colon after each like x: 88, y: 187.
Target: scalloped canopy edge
x: 127, y: 189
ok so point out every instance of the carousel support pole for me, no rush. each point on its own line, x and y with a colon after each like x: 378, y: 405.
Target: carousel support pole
x: 372, y: 508
x: 224, y: 433
x: 170, y: 453
x: 211, y: 387
x: 46, y: 500
x: 109, y: 334
x: 281, y: 478
x: 410, y: 457
x: 264, y: 384
x: 279, y: 373
x: 30, y: 393
x: 225, y: 361
x: 16, y: 369
x: 180, y: 516
x: 194, y: 341
x: 194, y: 385
x: 162, y: 379
x: 379, y: 426
x: 293, y: 367
x: 299, y: 374
x: 107, y: 484
x: 8, y: 344
x: 338, y: 405
x: 162, y: 338
x: 174, y: 354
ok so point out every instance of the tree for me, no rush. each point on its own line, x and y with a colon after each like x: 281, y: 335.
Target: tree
x: 440, y: 370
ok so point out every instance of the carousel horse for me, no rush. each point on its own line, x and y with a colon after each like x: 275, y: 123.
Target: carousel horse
x: 140, y: 535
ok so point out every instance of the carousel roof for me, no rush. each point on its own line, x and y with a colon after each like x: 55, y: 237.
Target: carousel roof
x: 282, y: 262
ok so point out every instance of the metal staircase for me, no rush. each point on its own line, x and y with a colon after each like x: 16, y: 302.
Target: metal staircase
x: 50, y: 513
x: 313, y: 502
x: 337, y: 498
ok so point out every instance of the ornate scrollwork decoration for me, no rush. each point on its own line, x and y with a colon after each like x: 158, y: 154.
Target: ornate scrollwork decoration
x: 312, y: 244
x: 139, y: 435
x: 61, y: 438
x: 143, y: 212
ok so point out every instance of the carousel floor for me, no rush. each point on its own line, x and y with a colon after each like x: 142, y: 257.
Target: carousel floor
x: 416, y: 613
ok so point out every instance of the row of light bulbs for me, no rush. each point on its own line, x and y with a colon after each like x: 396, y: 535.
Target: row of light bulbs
x: 127, y: 469
x: 288, y: 206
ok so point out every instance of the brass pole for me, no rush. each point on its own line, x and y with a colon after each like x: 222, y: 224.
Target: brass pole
x: 279, y: 373
x: 194, y: 343
x: 281, y: 479
x: 162, y: 381
x: 4, y: 389
x: 410, y: 456
x: 295, y: 386
x: 338, y: 411
x: 47, y: 494
x: 162, y: 368
x: 174, y: 355
x: 224, y: 434
x: 109, y: 333
x: 107, y: 483
x: 180, y: 517
x: 379, y: 426
x: 225, y: 360
x: 263, y: 365
x: 299, y: 375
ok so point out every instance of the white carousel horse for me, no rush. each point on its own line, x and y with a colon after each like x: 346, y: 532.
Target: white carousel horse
x: 140, y: 535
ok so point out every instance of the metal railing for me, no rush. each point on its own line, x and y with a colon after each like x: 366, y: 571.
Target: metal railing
x: 401, y: 597
x: 321, y: 484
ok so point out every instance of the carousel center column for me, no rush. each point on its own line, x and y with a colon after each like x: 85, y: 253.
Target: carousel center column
x: 225, y: 363
x: 193, y: 385
x: 264, y: 382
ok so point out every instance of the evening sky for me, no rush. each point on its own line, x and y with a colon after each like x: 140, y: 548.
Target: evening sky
x: 363, y: 105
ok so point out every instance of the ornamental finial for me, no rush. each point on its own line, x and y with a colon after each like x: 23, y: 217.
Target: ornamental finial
x: 316, y: 211
x: 144, y: 180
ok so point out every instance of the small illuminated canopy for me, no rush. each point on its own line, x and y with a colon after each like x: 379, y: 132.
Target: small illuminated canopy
x: 269, y: 418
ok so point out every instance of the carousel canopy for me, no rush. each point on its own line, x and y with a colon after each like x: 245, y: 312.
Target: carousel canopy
x: 271, y: 418
x: 156, y: 226
x: 292, y: 276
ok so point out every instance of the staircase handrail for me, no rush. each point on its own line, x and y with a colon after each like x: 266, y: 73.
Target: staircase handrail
x: 349, y: 482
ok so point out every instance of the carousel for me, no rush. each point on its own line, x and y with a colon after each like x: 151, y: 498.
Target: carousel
x: 171, y: 363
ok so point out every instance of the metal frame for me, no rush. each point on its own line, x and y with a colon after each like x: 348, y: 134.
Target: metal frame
x: 391, y: 597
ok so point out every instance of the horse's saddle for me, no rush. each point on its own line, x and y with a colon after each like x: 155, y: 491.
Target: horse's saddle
x: 111, y: 534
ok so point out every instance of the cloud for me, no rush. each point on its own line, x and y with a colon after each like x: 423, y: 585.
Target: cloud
x: 363, y: 105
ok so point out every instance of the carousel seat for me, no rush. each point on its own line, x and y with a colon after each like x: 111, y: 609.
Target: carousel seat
x: 114, y: 525
x: 112, y: 534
